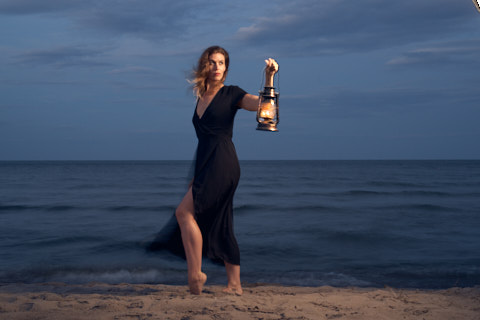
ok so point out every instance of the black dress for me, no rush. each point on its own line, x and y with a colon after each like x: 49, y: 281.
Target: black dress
x: 217, y: 173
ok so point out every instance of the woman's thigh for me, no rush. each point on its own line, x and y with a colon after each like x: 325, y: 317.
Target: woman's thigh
x: 186, y: 209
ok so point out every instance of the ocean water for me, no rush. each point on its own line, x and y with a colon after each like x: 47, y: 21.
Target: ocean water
x: 409, y: 224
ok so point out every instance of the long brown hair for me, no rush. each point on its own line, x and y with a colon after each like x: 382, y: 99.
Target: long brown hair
x: 200, y: 72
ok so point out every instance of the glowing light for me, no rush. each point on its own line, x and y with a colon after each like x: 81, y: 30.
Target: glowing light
x: 267, y: 114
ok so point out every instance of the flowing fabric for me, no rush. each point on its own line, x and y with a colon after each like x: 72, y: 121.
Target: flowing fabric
x: 216, y: 177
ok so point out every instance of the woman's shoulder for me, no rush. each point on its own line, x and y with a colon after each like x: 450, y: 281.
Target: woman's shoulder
x: 233, y: 89
x: 234, y: 94
x: 230, y: 87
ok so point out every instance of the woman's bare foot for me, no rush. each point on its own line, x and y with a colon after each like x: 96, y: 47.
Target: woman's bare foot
x: 236, y: 290
x: 196, y: 283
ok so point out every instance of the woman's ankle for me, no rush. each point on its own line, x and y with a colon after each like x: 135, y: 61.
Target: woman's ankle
x: 234, y: 289
x: 196, y: 282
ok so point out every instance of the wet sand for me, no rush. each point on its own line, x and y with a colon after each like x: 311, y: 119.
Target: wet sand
x: 259, y: 301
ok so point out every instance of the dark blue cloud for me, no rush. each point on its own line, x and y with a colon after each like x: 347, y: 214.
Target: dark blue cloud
x: 60, y: 57
x: 20, y: 7
x: 452, y: 53
x: 153, y: 19
x: 144, y: 18
x: 368, y: 103
x: 310, y: 27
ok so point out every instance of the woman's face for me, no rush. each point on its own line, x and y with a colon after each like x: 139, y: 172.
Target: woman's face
x: 217, y: 66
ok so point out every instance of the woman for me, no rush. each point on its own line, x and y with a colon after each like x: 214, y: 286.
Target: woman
x: 205, y: 213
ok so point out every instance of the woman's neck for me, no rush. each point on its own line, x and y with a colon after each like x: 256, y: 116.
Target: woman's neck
x: 213, y: 86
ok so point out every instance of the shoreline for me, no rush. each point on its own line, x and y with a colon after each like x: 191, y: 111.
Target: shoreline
x: 259, y: 301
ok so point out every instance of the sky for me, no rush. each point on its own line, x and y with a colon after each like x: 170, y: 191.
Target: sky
x: 365, y: 79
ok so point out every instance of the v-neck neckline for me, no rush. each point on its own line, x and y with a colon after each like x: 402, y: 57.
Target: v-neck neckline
x: 208, y: 106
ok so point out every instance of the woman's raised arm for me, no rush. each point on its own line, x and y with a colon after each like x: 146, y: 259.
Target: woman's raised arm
x: 250, y: 101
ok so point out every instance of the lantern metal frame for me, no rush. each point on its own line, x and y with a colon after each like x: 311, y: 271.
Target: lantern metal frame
x: 268, y: 93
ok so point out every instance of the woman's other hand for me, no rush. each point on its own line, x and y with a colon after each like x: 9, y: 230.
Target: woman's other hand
x: 271, y: 67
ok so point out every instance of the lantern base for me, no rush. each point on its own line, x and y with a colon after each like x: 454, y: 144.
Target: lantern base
x: 267, y: 127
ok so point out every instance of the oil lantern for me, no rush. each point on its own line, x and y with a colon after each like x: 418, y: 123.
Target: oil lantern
x: 267, y: 113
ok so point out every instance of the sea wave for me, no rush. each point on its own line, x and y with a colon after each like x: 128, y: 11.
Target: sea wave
x: 421, y: 207
x: 399, y: 223
x: 292, y: 208
x: 63, y: 208
x: 141, y: 208
x: 86, y: 275
x: 21, y: 207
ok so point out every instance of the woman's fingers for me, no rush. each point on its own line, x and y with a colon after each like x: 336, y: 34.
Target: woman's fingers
x: 271, y: 65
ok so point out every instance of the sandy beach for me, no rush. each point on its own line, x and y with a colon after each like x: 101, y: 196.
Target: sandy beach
x: 137, y: 301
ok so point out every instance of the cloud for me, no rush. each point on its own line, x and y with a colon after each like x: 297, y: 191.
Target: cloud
x: 21, y: 7
x: 43, y: 82
x: 355, y: 103
x: 454, y: 53
x: 311, y: 27
x: 147, y: 18
x: 142, y: 78
x: 133, y: 69
x: 60, y: 57
x: 154, y: 19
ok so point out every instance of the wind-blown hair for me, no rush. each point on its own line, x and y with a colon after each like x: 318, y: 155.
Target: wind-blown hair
x: 200, y: 72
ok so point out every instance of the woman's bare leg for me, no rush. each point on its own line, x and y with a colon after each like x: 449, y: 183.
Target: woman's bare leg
x: 192, y: 242
x: 233, y: 277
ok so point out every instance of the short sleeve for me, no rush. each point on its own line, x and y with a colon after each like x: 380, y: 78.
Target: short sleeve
x: 237, y: 95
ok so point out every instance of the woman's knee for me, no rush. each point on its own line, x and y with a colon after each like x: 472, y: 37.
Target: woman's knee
x: 185, y: 211
x: 182, y: 214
